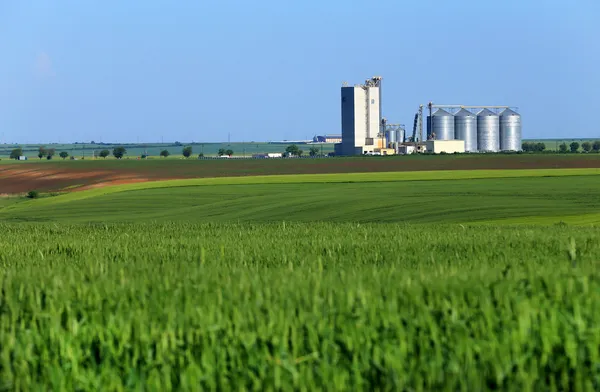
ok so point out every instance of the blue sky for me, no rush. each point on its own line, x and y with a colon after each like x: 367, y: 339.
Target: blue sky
x: 196, y: 70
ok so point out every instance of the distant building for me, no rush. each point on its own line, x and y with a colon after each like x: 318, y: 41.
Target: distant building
x: 22, y: 158
x: 327, y: 139
x: 268, y: 155
x: 361, y: 119
x: 445, y: 146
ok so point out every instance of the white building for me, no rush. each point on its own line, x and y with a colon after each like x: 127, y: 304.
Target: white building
x: 361, y: 119
x: 446, y: 146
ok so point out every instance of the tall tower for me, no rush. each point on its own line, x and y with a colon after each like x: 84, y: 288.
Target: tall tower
x: 361, y: 118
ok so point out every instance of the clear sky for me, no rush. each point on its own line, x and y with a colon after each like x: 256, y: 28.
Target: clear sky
x: 196, y: 70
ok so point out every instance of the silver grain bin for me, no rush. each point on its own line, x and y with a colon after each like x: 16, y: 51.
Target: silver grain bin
x: 488, y: 131
x: 443, y: 125
x: 391, y: 136
x: 465, y: 128
x: 510, y: 131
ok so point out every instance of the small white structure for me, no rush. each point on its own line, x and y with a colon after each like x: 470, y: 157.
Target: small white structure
x: 22, y: 158
x: 268, y: 155
x: 404, y: 150
x: 446, y: 146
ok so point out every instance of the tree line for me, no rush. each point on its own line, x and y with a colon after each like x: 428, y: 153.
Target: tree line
x: 573, y: 147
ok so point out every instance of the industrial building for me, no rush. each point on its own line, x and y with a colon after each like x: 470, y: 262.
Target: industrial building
x: 361, y: 119
x: 445, y: 146
x: 467, y: 128
x: 327, y: 139
x: 482, y: 128
x: 364, y: 130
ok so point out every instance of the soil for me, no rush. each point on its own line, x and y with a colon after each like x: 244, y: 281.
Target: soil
x: 18, y: 178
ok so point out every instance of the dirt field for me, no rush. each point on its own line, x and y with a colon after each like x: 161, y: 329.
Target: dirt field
x: 21, y: 177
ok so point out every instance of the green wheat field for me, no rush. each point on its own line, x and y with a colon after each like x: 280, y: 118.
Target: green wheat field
x: 415, y: 281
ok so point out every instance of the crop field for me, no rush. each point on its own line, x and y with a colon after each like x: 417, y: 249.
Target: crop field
x: 87, y: 151
x: 450, y: 196
x: 229, y: 277
x: 22, y: 177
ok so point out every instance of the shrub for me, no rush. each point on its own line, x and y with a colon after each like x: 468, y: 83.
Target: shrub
x: 33, y: 194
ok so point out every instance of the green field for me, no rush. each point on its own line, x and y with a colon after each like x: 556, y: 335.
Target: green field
x: 153, y: 150
x: 571, y: 195
x: 416, y: 281
x: 134, y: 150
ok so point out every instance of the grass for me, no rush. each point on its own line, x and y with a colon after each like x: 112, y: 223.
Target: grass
x: 451, y: 196
x: 315, y: 282
x: 21, y: 177
x: 309, y: 306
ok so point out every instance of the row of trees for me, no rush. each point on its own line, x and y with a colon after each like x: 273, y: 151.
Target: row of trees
x: 296, y: 151
x: 537, y: 147
x: 187, y: 152
x: 564, y: 148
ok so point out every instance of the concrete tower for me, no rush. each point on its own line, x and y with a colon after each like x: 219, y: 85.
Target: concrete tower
x: 361, y: 118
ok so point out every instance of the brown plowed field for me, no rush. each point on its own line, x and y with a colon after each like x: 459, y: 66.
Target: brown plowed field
x: 20, y: 177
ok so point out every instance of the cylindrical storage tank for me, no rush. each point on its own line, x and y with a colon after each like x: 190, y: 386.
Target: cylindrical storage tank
x: 510, y: 131
x: 488, y: 131
x: 401, y: 135
x: 391, y: 136
x: 443, y: 125
x: 465, y: 128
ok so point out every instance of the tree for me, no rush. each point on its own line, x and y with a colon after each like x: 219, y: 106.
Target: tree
x: 165, y: 153
x: 539, y: 147
x: 563, y: 147
x: 221, y: 152
x: 201, y: 155
x: 42, y: 152
x: 314, y: 151
x: 187, y: 151
x: 587, y: 146
x: 64, y: 155
x: 119, y: 152
x: 292, y: 149
x: 596, y: 146
x: 526, y: 146
x: 50, y: 153
x: 229, y: 152
x: 16, y: 153
x: 300, y: 152
x: 104, y: 153
x: 574, y: 146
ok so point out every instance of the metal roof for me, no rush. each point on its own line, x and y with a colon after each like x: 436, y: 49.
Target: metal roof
x: 441, y: 112
x: 509, y: 112
x: 486, y: 112
x: 464, y: 113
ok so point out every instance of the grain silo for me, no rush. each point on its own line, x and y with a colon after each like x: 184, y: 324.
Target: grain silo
x: 392, y: 136
x: 441, y: 125
x: 510, y: 131
x: 488, y: 131
x: 465, y: 128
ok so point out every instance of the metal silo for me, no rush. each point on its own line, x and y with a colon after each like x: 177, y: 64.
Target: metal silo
x: 510, y: 131
x: 443, y: 125
x: 391, y: 136
x: 465, y: 128
x: 488, y: 131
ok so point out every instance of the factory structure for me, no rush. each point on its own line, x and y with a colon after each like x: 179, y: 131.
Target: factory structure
x: 450, y: 128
